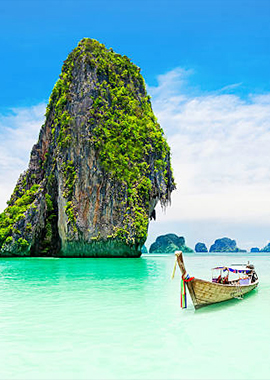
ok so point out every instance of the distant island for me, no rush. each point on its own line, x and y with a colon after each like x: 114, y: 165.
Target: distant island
x: 169, y: 243
x: 225, y: 245
x: 255, y: 249
x: 266, y: 248
x: 144, y: 249
x: 201, y: 247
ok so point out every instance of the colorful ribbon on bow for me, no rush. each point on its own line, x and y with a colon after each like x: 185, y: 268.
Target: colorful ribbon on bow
x: 184, y: 280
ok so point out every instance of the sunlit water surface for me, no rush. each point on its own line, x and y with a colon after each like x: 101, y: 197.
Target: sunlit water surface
x: 120, y: 319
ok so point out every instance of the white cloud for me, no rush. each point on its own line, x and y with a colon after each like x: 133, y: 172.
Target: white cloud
x: 18, y: 132
x: 220, y: 151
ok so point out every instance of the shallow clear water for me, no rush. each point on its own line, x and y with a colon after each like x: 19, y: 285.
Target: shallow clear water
x: 120, y: 319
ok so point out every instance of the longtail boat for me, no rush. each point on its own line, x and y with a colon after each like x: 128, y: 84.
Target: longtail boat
x: 221, y: 288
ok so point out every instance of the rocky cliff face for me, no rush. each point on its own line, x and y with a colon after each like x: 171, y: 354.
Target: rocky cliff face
x: 99, y: 168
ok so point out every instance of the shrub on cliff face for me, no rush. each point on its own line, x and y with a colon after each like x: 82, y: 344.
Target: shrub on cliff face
x: 12, y: 215
x: 102, y: 161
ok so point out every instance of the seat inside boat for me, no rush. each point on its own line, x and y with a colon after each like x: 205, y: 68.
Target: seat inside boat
x: 236, y: 274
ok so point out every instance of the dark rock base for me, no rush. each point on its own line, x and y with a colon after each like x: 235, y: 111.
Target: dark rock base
x: 75, y: 249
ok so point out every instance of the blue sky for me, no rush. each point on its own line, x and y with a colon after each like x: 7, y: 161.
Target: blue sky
x: 206, y: 64
x: 224, y: 41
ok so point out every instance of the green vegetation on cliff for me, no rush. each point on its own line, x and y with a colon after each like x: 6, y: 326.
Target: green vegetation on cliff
x: 13, y: 214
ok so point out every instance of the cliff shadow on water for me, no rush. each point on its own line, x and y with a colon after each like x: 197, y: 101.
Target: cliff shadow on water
x: 99, y: 168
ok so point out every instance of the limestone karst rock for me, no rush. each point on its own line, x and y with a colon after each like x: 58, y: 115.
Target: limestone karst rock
x: 255, y: 249
x: 100, y: 166
x: 266, y: 248
x: 201, y: 247
x: 225, y: 245
x: 169, y: 243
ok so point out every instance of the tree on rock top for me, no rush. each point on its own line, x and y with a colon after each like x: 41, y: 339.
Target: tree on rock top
x: 99, y: 168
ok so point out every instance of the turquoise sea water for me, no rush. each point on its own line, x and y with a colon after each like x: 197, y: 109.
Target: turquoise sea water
x: 120, y: 319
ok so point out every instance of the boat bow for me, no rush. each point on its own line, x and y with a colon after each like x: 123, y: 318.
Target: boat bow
x: 185, y: 276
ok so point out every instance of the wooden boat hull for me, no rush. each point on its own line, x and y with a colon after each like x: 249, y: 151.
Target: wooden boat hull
x: 205, y: 293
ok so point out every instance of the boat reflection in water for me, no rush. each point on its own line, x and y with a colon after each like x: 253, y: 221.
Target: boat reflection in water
x: 227, y: 283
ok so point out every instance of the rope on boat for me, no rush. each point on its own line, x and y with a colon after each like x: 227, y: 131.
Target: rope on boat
x: 240, y: 292
x: 184, y: 280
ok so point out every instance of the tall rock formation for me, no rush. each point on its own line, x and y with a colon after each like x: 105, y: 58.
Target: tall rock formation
x: 99, y: 168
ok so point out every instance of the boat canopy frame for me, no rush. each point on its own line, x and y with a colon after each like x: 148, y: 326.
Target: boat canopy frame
x: 233, y: 270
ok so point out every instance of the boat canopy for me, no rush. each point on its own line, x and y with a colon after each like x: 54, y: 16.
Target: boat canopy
x: 235, y: 269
